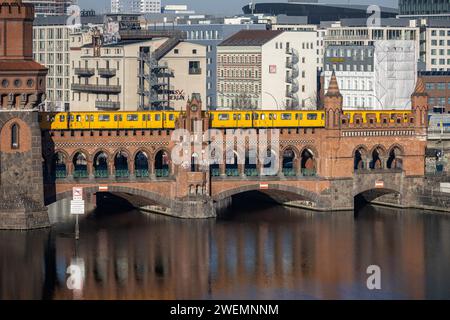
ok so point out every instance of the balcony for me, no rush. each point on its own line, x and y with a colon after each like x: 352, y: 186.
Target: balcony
x: 195, y: 70
x: 95, y: 88
x: 107, y: 105
x: 84, y: 72
x: 106, y: 72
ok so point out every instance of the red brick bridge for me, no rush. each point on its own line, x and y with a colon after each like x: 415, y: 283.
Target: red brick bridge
x: 322, y: 168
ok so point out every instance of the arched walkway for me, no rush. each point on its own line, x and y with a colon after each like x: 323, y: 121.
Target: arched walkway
x: 162, y: 167
x: 141, y: 166
x: 289, y: 163
x: 59, y: 166
x: 377, y: 160
x: 395, y: 160
x: 308, y: 163
x: 121, y: 165
x: 100, y: 165
x: 80, y: 165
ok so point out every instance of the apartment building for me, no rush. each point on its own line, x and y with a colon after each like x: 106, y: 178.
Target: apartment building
x: 147, y: 71
x: 381, y: 76
x: 435, y: 44
x: 267, y: 69
x: 437, y: 86
x: 51, y: 48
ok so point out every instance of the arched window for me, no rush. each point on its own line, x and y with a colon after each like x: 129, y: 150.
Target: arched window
x: 15, y: 136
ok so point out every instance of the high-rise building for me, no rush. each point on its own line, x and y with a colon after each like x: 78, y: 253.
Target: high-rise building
x: 439, y: 9
x: 50, y: 7
x: 135, y: 6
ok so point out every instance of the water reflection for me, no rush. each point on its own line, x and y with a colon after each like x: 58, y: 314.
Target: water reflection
x: 266, y: 253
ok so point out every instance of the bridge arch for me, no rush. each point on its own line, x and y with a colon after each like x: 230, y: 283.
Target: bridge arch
x: 292, y: 193
x: 148, y: 195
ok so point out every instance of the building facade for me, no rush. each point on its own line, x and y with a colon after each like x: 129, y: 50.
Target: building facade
x: 375, y: 77
x: 157, y: 73
x: 437, y: 85
x: 51, y: 47
x: 435, y: 44
x: 267, y: 69
x: 135, y: 6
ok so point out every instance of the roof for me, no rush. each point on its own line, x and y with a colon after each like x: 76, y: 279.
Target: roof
x: 20, y: 65
x: 251, y: 38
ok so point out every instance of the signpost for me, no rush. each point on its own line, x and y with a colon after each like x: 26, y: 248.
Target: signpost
x: 77, y: 208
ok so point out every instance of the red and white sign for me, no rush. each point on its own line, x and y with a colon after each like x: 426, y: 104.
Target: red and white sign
x: 264, y: 186
x: 77, y: 193
x: 379, y: 184
x: 103, y: 188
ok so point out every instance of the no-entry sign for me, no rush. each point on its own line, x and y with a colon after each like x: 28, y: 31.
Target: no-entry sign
x: 77, y: 193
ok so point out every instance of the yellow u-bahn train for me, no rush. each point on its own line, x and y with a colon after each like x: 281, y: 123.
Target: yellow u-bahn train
x: 218, y: 119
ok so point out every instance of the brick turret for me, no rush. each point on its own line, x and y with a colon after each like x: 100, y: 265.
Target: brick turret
x: 333, y: 104
x: 419, y: 103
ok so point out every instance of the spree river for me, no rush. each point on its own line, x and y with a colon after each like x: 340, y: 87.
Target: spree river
x: 257, y: 252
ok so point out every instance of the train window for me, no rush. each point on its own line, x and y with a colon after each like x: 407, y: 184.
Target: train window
x: 78, y: 118
x: 263, y: 116
x: 235, y: 116
x: 312, y: 116
x: 323, y: 116
x: 247, y: 116
x: 270, y: 116
x: 157, y: 117
x: 92, y: 118
x: 255, y: 116
x: 286, y: 116
x: 299, y: 116
x: 103, y: 117
x: 132, y: 117
x: 224, y: 116
x: 71, y: 118
x: 62, y: 118
x: 171, y: 117
x: 87, y: 118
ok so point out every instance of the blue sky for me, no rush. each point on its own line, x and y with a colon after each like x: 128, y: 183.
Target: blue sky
x: 224, y: 6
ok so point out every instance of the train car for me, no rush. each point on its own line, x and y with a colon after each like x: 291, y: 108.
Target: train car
x: 107, y: 120
x: 366, y: 115
x: 231, y: 119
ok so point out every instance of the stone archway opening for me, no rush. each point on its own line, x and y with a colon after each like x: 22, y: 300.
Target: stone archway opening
x: 59, y: 166
x: 141, y: 168
x: 121, y: 165
x: 376, y: 162
x: 367, y: 197
x: 270, y: 163
x: 162, y: 168
x: 251, y: 163
x: 288, y: 163
x: 80, y: 165
x: 395, y: 160
x: 308, y: 163
x: 359, y: 160
x: 101, y: 165
x: 232, y: 163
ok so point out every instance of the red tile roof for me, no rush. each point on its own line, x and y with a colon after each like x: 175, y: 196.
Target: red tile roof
x: 251, y: 38
x: 20, y: 65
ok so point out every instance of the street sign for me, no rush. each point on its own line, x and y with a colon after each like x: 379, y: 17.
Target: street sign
x: 264, y: 186
x: 77, y: 207
x: 379, y: 184
x: 77, y: 193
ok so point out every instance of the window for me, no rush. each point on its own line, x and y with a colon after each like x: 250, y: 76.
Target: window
x: 15, y: 136
x: 194, y: 67
x: 312, y: 116
x: 103, y: 117
x: 176, y: 51
x: 194, y: 51
x: 429, y: 86
x: 223, y: 117
x: 286, y: 116
x: 132, y: 117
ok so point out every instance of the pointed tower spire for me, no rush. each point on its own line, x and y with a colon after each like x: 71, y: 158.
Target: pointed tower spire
x: 333, y: 87
x: 420, y: 88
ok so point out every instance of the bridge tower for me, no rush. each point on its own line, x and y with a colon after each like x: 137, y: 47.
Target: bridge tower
x: 22, y: 90
x: 193, y: 182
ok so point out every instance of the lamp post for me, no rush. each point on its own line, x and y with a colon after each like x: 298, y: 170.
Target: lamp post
x: 276, y: 102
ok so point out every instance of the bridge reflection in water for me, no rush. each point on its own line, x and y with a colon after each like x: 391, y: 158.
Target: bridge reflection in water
x: 267, y: 253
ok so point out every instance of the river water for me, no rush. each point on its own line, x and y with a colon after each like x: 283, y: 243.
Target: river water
x: 257, y: 252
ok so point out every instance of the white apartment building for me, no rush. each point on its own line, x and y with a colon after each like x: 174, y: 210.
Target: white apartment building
x: 320, y: 43
x: 373, y: 77
x: 435, y: 38
x: 267, y: 69
x: 134, y: 74
x: 51, y: 47
x: 135, y: 6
